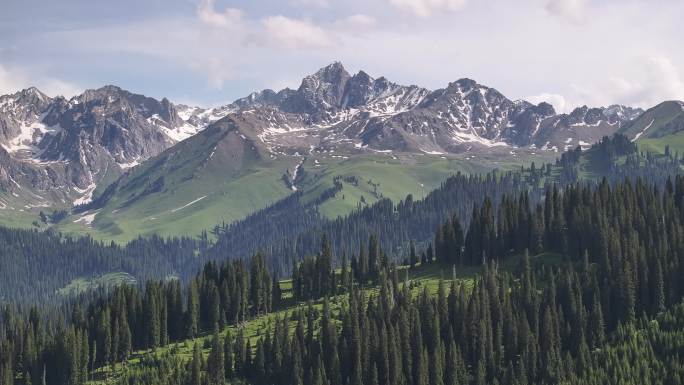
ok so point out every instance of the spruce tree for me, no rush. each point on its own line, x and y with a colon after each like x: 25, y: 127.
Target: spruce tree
x: 192, y: 312
x: 215, y: 363
x: 196, y: 366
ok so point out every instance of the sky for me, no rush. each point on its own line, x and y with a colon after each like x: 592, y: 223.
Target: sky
x: 210, y: 52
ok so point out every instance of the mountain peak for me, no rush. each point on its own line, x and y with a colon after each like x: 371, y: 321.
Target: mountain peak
x: 671, y: 103
x: 322, y: 90
x: 110, y: 88
x: 546, y: 108
x: 466, y: 83
x: 334, y: 67
x: 332, y: 73
x: 621, y: 112
x: 32, y: 92
x: 363, y: 75
x: 106, y: 91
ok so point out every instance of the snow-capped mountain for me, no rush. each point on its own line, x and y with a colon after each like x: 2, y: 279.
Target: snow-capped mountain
x: 333, y: 109
x: 18, y: 112
x: 77, y: 143
x: 70, y: 147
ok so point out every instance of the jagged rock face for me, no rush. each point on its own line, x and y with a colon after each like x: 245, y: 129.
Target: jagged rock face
x: 318, y: 93
x: 82, y: 140
x: 335, y: 109
x: 21, y: 109
x: 114, y: 122
x: 464, y: 109
x: 361, y: 89
x: 380, y: 96
x: 582, y: 127
x: 74, y: 144
x: 622, y: 114
x: 525, y: 122
x: 262, y: 98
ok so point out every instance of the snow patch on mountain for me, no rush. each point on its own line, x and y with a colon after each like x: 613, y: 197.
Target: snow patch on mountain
x: 188, y: 204
x: 464, y: 137
x: 87, y: 218
x: 432, y: 152
x: 296, y: 173
x: 637, y: 136
x: 131, y: 164
x: 87, y: 194
x: 183, y: 132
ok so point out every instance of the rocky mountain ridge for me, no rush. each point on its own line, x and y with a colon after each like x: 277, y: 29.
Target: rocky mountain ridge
x: 80, y: 142
x: 67, y: 148
x: 340, y: 110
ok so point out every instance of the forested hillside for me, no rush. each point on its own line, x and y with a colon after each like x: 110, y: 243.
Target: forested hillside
x: 556, y: 292
x: 291, y: 228
x: 199, y: 192
x: 34, y: 264
x: 47, y: 266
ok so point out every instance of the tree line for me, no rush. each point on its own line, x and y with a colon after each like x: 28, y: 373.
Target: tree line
x: 47, y: 349
x: 618, y: 261
x: 619, y: 255
x: 291, y: 229
x: 35, y: 264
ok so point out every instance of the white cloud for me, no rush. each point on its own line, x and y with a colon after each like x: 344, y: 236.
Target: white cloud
x: 307, y: 3
x: 294, y: 33
x: 557, y: 101
x: 230, y: 17
x: 202, y: 45
x: 356, y: 23
x: 8, y: 82
x: 652, y: 79
x: 13, y: 80
x: 645, y: 82
x: 54, y: 87
x: 571, y: 10
x: 665, y: 79
x: 425, y: 8
x: 217, y: 69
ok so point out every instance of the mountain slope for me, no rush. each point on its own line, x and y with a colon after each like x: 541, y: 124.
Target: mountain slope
x: 659, y: 127
x: 389, y: 139
x: 58, y: 152
x: 336, y: 110
x: 218, y: 174
x: 225, y: 173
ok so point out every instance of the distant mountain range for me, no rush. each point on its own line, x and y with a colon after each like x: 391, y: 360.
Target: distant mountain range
x: 58, y: 153
x: 335, y: 109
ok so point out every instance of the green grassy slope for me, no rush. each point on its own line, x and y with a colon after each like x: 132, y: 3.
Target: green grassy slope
x: 187, y: 210
x: 658, y: 145
x: 366, y: 179
x: 221, y: 177
x: 661, y: 120
x: 226, y: 172
x: 427, y: 276
x: 83, y: 285
x: 216, y: 176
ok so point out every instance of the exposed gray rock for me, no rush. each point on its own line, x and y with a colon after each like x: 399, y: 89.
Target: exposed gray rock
x: 339, y: 110
x: 82, y: 141
x: 73, y: 145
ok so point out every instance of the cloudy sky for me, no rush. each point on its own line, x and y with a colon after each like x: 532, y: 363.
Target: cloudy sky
x: 208, y: 52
